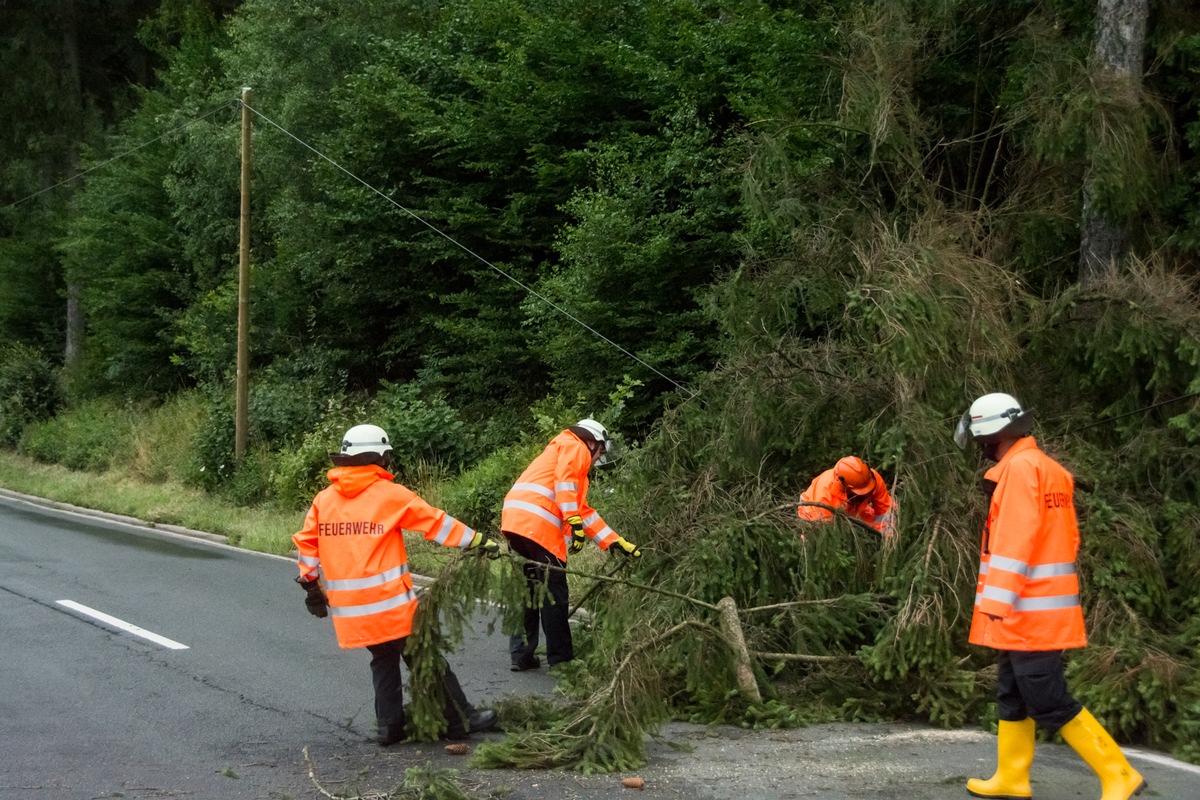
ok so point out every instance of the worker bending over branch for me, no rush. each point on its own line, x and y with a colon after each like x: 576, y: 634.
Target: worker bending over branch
x: 856, y: 489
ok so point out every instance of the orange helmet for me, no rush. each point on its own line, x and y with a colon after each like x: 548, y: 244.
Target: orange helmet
x: 855, y: 475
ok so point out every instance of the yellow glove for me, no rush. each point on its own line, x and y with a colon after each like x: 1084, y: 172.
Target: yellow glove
x: 578, y: 537
x: 628, y: 548
x: 485, y: 544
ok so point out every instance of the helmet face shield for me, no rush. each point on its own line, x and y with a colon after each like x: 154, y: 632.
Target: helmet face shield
x: 600, y: 435
x: 962, y: 432
x: 612, y: 451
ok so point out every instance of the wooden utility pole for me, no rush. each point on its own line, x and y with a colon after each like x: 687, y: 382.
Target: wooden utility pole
x: 243, y: 339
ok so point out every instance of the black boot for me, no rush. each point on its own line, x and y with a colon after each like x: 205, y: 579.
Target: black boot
x: 526, y: 662
x: 481, y: 721
x: 477, y: 722
x: 391, y: 734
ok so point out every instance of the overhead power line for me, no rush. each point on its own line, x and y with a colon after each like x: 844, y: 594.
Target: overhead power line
x: 119, y: 156
x: 529, y: 289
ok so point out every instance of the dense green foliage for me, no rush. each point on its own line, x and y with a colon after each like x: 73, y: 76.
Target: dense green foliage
x: 750, y: 236
x: 29, y: 390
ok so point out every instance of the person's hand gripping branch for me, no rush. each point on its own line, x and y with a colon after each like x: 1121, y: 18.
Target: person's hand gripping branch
x: 628, y: 548
x: 485, y: 545
x: 578, y: 537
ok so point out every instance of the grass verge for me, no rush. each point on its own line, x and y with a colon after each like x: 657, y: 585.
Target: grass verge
x: 267, y: 529
x: 261, y: 528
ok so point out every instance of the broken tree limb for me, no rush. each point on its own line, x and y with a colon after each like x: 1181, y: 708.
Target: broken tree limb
x: 800, y: 657
x: 731, y: 628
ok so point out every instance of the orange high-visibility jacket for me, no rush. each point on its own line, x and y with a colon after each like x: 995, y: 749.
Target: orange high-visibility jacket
x: 551, y: 490
x: 1027, y: 563
x: 352, y: 539
x: 875, y: 508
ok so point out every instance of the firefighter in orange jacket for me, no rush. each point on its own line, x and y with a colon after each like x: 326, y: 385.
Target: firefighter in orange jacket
x: 1027, y: 603
x: 353, y: 565
x: 545, y: 515
x: 854, y: 487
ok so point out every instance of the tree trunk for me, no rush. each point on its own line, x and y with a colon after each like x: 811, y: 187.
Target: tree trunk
x: 73, y: 347
x: 1119, y: 38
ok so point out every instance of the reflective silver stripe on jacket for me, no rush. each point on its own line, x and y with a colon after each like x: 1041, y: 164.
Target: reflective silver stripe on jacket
x: 566, y: 486
x: 997, y: 594
x: 349, y: 584
x: 592, y: 517
x: 1053, y: 603
x: 444, y: 532
x: 537, y: 488
x: 1032, y: 573
x: 1010, y: 565
x: 374, y: 608
x: 522, y: 505
x: 467, y: 538
x: 1052, y: 570
x: 310, y: 561
x: 567, y: 508
x: 1046, y: 603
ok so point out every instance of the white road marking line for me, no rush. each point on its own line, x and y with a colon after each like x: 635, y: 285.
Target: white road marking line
x: 123, y: 625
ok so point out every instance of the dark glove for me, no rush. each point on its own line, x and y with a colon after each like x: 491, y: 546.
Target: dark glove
x: 578, y: 538
x: 485, y: 544
x: 315, y: 600
x: 628, y: 548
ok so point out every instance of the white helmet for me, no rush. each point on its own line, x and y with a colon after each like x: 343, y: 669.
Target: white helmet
x: 365, y: 439
x: 991, y: 418
x: 600, y: 434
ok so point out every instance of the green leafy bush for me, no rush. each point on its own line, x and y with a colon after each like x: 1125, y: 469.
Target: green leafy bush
x: 92, y: 436
x: 477, y: 494
x: 29, y: 390
x: 299, y: 472
x: 422, y: 428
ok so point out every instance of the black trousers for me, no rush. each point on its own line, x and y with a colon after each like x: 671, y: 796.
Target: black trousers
x: 548, y: 604
x: 389, y: 689
x: 1034, y: 684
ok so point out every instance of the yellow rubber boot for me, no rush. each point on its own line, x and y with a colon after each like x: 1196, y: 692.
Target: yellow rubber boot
x: 1118, y: 780
x: 1015, y: 755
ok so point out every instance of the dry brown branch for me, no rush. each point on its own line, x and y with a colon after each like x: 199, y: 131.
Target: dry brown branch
x: 829, y: 601
x: 312, y: 776
x: 642, y: 586
x: 799, y: 657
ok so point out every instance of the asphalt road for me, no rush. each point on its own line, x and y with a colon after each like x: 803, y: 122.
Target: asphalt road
x: 244, y: 695
x: 222, y: 709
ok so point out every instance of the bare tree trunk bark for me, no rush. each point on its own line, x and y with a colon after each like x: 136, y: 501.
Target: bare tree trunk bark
x: 1119, y: 39
x: 73, y: 347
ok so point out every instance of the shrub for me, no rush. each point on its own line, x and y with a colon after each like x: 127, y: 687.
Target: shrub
x: 92, y: 436
x: 476, y: 496
x: 161, y: 446
x: 299, y: 472
x: 422, y: 428
x: 29, y: 390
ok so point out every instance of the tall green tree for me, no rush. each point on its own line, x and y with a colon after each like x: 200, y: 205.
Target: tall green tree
x: 123, y: 246
x: 69, y: 68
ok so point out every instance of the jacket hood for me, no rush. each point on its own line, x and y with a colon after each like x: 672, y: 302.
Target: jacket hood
x: 353, y: 481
